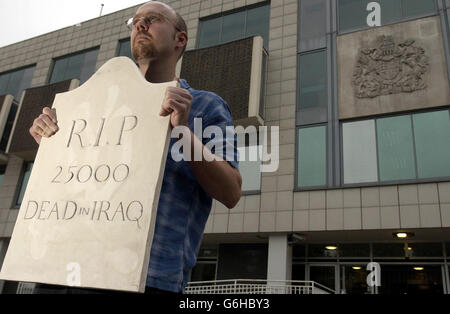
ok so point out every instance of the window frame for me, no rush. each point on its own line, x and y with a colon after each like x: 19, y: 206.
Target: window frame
x: 81, y: 52
x: 221, y: 15
x: 321, y: 112
x: 23, y: 68
x: 396, y: 21
x: 379, y: 183
x: 298, y: 188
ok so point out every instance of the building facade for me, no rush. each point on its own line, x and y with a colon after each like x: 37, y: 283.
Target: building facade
x: 364, y: 133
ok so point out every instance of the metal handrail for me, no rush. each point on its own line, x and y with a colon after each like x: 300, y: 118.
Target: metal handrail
x: 266, y: 286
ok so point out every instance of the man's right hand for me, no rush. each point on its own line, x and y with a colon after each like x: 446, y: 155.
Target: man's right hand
x: 46, y: 125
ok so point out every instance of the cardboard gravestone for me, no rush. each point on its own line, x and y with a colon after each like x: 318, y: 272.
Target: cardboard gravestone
x: 88, y: 215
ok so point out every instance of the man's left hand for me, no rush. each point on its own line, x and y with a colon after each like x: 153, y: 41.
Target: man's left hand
x: 177, y: 102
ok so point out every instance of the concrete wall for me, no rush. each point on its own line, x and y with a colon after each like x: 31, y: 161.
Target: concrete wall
x: 367, y: 208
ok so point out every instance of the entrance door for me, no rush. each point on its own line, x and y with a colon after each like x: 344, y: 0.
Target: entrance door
x: 324, y: 274
x: 354, y: 279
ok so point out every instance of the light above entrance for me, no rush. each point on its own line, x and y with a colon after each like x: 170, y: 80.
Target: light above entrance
x: 331, y: 247
x: 418, y: 268
x: 403, y: 235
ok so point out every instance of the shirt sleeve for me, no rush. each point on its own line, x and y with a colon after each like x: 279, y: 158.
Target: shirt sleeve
x: 223, y: 143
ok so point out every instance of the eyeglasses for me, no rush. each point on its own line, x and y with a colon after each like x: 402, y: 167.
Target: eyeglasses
x: 149, y: 20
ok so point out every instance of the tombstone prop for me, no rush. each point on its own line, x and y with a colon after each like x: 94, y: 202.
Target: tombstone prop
x: 88, y: 214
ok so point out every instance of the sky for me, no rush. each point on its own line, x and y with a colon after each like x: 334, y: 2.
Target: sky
x: 25, y: 19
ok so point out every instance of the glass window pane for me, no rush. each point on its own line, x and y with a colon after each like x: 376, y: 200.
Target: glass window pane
x: 258, y: 23
x: 73, y: 68
x: 418, y: 7
x: 324, y: 275
x: 4, y: 78
x: 125, y: 49
x: 313, y: 80
x: 391, y: 10
x: 233, y: 27
x: 425, y: 250
x: 352, y: 14
x: 313, y: 17
x: 360, y: 153
x: 59, y: 70
x: 299, y: 251
x: 320, y: 250
x: 298, y: 273
x: 210, y: 32
x: 355, y: 279
x: 354, y: 250
x: 388, y: 250
x: 395, y: 149
x: 88, y: 67
x: 26, y: 177
x: 250, y: 170
x: 14, y: 82
x: 203, y: 272
x: 432, y: 134
x: 26, y: 81
x: 312, y: 156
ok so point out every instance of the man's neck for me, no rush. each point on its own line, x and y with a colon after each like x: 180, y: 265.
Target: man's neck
x: 157, y: 72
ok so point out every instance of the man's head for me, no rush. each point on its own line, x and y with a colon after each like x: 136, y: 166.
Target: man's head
x: 157, y: 31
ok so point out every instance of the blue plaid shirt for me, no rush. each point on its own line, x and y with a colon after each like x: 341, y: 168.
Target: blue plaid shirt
x: 184, y: 206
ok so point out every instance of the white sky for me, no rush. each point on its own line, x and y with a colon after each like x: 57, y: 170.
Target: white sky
x: 24, y: 19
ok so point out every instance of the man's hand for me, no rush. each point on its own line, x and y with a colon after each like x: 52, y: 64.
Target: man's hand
x: 46, y: 125
x: 178, y: 103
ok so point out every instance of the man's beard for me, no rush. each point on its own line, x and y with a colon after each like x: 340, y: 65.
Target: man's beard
x: 143, y: 51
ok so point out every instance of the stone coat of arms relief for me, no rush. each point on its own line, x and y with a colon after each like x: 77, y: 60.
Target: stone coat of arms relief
x: 390, y: 68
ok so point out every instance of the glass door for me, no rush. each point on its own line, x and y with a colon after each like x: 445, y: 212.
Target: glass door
x: 324, y: 274
x: 354, y: 279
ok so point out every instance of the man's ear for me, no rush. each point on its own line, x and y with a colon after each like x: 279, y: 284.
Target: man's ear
x: 182, y: 39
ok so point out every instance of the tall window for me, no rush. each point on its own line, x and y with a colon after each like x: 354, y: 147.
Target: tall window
x: 26, y: 176
x: 313, y: 138
x: 353, y: 13
x: 312, y: 80
x: 312, y: 157
x: 125, y: 49
x: 16, y: 82
x: 250, y: 162
x: 234, y: 26
x: 397, y: 149
x: 80, y: 66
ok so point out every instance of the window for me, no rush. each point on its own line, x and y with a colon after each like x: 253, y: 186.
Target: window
x: 80, y: 66
x: 26, y: 176
x: 312, y: 80
x: 353, y: 13
x: 250, y: 162
x: 312, y: 157
x: 233, y: 26
x: 400, y: 148
x: 432, y: 134
x: 8, y: 127
x: 125, y: 49
x: 388, y: 250
x: 395, y: 149
x: 16, y: 82
x: 313, y: 17
x: 250, y: 169
x: 360, y: 159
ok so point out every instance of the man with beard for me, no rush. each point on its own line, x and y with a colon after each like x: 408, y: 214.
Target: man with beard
x: 158, y: 40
